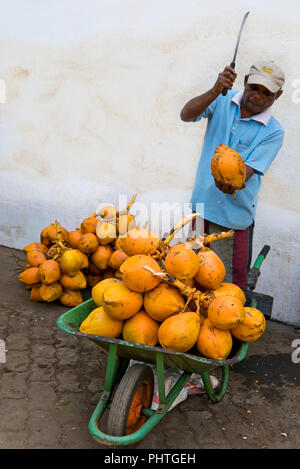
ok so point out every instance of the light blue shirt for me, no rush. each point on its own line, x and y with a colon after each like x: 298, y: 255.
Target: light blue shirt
x: 257, y: 139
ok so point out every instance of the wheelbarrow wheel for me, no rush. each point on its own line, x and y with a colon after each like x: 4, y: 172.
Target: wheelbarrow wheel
x: 134, y: 392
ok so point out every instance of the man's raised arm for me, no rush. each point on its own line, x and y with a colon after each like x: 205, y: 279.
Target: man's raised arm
x: 196, y: 106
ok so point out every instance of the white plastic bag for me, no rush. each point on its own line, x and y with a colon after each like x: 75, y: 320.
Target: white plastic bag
x: 193, y: 386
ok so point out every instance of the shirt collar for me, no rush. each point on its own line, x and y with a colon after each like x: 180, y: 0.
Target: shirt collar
x: 262, y: 117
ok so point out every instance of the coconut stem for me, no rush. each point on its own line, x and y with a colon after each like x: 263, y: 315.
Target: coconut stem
x: 216, y: 236
x: 195, y: 242
x: 190, y: 292
x: 59, y: 246
x: 204, y: 240
x: 179, y: 226
x: 131, y: 202
x: 21, y: 259
x: 186, y: 304
x: 93, y: 215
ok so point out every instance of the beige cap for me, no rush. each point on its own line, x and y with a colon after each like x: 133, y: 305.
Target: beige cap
x: 268, y: 74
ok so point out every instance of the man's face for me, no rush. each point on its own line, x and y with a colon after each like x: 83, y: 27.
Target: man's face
x: 257, y: 98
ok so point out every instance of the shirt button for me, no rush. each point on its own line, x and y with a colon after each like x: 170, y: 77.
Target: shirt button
x: 233, y: 128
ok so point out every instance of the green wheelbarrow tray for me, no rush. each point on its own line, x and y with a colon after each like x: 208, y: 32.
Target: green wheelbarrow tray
x: 121, y: 352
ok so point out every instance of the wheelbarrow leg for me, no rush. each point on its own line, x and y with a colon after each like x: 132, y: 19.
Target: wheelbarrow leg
x: 212, y: 395
x: 115, y: 366
x: 166, y: 401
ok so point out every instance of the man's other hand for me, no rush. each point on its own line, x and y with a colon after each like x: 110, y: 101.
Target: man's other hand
x: 227, y: 188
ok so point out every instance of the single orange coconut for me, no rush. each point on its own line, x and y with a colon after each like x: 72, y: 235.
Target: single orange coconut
x: 88, y: 243
x: 117, y: 258
x: 141, y: 329
x: 44, y: 237
x: 139, y: 241
x: 106, y: 232
x: 120, y: 302
x: 49, y: 272
x: 30, y: 276
x: 35, y: 294
x: 75, y: 282
x: 74, y: 237
x: 71, y: 298
x: 228, y: 166
x: 35, y: 258
x: 163, y: 301
x: 89, y: 225
x: 226, y: 312
x: 109, y: 211
x: 136, y: 277
x: 70, y: 262
x: 51, y: 233
x: 84, y: 259
x: 213, y: 342
x: 51, y: 292
x: 179, y: 332
x: 211, y: 271
x: 230, y: 289
x: 101, y: 256
x: 181, y: 262
x: 36, y: 247
x: 99, y: 288
x: 98, y: 322
x: 253, y: 326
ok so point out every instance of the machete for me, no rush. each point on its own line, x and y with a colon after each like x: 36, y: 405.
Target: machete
x: 232, y: 65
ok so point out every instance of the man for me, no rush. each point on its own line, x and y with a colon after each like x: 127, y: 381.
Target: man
x: 242, y: 120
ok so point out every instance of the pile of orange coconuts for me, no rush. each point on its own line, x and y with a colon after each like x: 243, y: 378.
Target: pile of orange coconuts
x: 145, y: 290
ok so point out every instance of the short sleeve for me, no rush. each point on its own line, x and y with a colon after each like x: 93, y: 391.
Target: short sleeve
x: 265, y: 152
x: 208, y: 111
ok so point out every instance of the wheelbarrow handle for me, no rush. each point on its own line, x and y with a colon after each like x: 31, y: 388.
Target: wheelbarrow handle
x: 261, y: 257
x: 254, y: 272
x: 252, y: 278
x: 265, y: 250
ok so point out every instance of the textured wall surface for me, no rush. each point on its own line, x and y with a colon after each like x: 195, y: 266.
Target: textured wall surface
x: 93, y: 96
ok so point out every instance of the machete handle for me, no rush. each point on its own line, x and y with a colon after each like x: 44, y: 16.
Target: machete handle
x: 224, y: 92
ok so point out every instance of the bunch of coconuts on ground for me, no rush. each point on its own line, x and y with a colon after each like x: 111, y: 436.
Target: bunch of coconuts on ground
x: 64, y: 263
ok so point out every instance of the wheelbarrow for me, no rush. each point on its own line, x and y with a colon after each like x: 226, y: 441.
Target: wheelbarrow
x: 128, y: 390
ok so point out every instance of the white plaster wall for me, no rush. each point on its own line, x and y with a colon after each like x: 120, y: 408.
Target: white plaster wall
x: 94, y: 91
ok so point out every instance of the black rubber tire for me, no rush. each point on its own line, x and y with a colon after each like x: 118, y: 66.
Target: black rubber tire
x: 120, y: 406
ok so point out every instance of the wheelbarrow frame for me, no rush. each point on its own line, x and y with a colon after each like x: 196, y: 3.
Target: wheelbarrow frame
x: 120, y: 353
